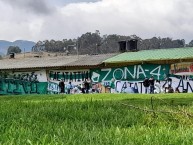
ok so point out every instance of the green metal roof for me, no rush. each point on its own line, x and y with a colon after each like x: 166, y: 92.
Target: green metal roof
x: 153, y: 55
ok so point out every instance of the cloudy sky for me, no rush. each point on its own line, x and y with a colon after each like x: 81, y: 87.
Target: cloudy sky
x: 59, y: 19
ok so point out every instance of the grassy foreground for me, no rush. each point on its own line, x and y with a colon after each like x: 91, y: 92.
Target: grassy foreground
x: 97, y: 119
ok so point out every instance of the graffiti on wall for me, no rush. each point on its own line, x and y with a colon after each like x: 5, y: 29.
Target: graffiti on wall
x: 53, y: 88
x: 76, y: 77
x: 73, y: 76
x: 23, y: 82
x: 134, y: 72
x: 185, y: 68
x: 183, y: 84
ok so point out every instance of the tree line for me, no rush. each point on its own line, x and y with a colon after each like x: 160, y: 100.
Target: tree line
x: 93, y: 43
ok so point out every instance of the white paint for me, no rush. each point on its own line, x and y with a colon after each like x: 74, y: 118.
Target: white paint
x: 126, y: 86
x: 153, y: 72
x: 140, y: 71
x: 95, y: 77
x: 53, y: 87
x: 41, y: 75
x: 108, y: 72
x: 132, y: 75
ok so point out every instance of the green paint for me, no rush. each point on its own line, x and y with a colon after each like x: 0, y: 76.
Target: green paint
x: 131, y: 73
x: 15, y: 86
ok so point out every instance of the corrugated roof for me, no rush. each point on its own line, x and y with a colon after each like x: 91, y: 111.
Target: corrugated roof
x: 91, y: 60
x: 48, y: 62
x: 153, y: 55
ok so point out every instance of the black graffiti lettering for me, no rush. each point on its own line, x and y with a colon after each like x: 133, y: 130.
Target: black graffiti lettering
x: 163, y: 86
x: 169, y: 80
x: 58, y: 76
x: 90, y: 75
x: 71, y: 78
x: 181, y: 84
x: 141, y: 86
x: 1, y: 85
x: 51, y: 74
x: 78, y: 76
x: 55, y: 76
x: 189, y: 86
x: 117, y: 83
x: 87, y: 75
x: 74, y: 76
x: 136, y: 88
x: 63, y: 76
x: 130, y: 84
x: 83, y: 76
x: 67, y: 77
x: 124, y: 87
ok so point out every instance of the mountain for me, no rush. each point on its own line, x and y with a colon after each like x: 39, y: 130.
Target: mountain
x: 22, y: 44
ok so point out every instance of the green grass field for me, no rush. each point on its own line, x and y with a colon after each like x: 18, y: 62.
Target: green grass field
x: 97, y: 119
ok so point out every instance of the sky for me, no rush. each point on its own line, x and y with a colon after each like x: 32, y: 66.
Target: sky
x: 64, y: 19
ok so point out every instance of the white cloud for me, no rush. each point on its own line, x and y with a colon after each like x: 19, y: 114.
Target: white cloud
x: 145, y: 18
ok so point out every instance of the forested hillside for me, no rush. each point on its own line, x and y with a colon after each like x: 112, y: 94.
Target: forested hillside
x: 93, y: 43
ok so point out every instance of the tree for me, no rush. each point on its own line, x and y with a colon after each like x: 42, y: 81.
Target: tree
x: 13, y: 49
x: 39, y: 46
x: 93, y: 43
x: 89, y: 42
x: 190, y: 44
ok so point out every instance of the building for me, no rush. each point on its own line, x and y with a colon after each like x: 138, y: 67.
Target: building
x: 41, y: 75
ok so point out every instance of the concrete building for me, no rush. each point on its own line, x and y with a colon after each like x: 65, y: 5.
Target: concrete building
x: 41, y: 75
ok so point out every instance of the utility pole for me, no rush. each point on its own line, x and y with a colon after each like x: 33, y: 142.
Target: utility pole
x: 24, y: 52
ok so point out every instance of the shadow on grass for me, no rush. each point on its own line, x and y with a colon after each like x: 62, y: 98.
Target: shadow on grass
x: 160, y: 101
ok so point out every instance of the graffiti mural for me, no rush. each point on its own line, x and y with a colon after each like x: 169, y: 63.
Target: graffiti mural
x: 69, y: 75
x: 184, y: 84
x: 76, y: 77
x: 132, y: 73
x: 23, y: 82
x: 53, y: 88
x: 185, y: 68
